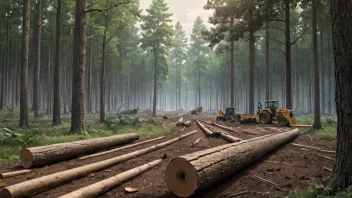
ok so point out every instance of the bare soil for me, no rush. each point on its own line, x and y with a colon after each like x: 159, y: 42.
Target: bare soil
x: 294, y: 168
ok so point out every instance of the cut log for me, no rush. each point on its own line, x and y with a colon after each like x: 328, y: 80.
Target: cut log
x: 14, y: 173
x: 101, y: 187
x: 204, y: 129
x: 179, y: 122
x: 190, y: 173
x: 187, y: 123
x: 312, y: 148
x: 44, y: 155
x: 55, y: 179
x: 229, y: 138
x: 119, y: 149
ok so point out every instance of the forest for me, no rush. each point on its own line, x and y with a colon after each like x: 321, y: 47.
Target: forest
x: 85, y: 70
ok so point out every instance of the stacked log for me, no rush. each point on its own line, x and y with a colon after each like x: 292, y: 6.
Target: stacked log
x: 55, y: 179
x: 43, y: 155
x: 190, y: 173
x: 204, y: 129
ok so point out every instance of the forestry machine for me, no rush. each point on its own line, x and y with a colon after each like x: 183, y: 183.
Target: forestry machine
x: 197, y: 111
x: 229, y: 114
x: 271, y: 112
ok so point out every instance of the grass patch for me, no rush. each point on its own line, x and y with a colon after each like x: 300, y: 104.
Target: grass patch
x: 12, y: 140
x: 328, y: 131
x: 313, y: 193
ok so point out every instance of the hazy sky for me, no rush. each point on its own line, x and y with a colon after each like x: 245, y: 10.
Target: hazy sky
x: 185, y: 11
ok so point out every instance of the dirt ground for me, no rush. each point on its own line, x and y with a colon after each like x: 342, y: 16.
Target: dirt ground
x: 294, y: 168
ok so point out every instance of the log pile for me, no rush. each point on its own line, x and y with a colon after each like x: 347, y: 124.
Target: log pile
x: 190, y: 173
x: 43, y: 155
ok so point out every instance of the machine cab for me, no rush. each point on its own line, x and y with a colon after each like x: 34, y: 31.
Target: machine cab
x: 272, y: 105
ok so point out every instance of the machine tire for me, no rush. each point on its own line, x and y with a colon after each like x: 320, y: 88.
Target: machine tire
x: 265, y: 117
x: 282, y: 120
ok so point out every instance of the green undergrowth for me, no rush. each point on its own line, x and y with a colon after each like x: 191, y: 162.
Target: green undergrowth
x: 329, y: 127
x: 12, y: 139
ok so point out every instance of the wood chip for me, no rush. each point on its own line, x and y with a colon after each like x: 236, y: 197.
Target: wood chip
x: 131, y: 190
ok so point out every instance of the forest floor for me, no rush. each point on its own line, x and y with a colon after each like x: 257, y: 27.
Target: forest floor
x: 290, y: 167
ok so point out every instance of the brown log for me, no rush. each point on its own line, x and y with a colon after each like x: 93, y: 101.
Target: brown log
x: 179, y: 122
x: 43, y: 155
x: 55, y: 179
x: 187, y: 123
x: 119, y: 149
x: 14, y: 173
x: 190, y: 173
x: 204, y: 129
x: 229, y: 138
x: 104, y: 186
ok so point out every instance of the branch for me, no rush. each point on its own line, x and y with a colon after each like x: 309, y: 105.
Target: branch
x: 92, y: 36
x: 113, y: 35
x: 304, y: 31
x: 277, y: 28
x: 278, y: 20
x: 274, y: 48
x: 92, y: 4
x: 107, y: 8
x: 273, y: 39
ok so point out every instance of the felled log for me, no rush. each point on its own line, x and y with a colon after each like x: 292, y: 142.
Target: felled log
x: 204, y: 129
x: 179, y: 122
x: 187, y: 123
x: 230, y: 129
x: 119, y: 149
x: 43, y: 155
x: 13, y: 174
x: 190, y: 173
x: 55, y: 179
x: 104, y: 186
x: 229, y: 138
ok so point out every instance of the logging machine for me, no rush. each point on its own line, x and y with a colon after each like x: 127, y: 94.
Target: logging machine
x: 271, y: 113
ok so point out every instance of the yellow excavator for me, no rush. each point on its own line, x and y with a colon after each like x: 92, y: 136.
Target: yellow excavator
x: 271, y: 113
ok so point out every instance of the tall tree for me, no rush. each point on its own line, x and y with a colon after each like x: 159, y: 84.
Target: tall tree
x: 179, y: 55
x: 317, y: 121
x: 37, y: 44
x: 78, y: 67
x: 156, y: 35
x: 24, y: 70
x: 341, y: 11
x: 197, y: 52
x: 57, y: 74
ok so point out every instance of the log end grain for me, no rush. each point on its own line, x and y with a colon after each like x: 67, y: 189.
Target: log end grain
x: 26, y: 158
x: 181, y: 177
x: 5, y: 193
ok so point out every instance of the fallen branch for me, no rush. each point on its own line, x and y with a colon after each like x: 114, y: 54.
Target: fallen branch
x: 325, y: 157
x: 101, y: 187
x: 43, y: 155
x: 14, y: 173
x: 193, y: 172
x: 204, y: 129
x: 311, y: 148
x: 119, y: 149
x: 55, y: 179
x: 196, y: 142
x: 311, y: 139
x: 274, y: 162
x: 328, y: 169
x: 276, y: 186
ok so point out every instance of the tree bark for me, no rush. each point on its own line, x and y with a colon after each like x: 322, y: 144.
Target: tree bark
x: 341, y: 11
x: 251, y: 72
x: 57, y: 74
x: 77, y: 112
x: 89, y: 89
x: 24, y: 70
x: 288, y: 55
x: 102, y: 74
x: 317, y: 121
x: 55, y: 179
x: 37, y: 44
x: 322, y: 70
x: 44, y: 155
x: 104, y: 186
x: 156, y: 57
x: 190, y: 173
x: 232, y: 100
x: 267, y: 60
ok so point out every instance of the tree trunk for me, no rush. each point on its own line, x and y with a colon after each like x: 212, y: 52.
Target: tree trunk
x: 317, y: 121
x: 102, y: 75
x: 342, y: 42
x: 77, y: 112
x: 322, y: 71
x: 57, y: 74
x: 267, y: 60
x: 330, y: 74
x: 24, y: 70
x: 89, y: 89
x: 288, y: 55
x: 156, y: 57
x: 190, y: 173
x: 232, y: 100
x: 37, y: 44
x: 251, y: 72
x: 44, y: 155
